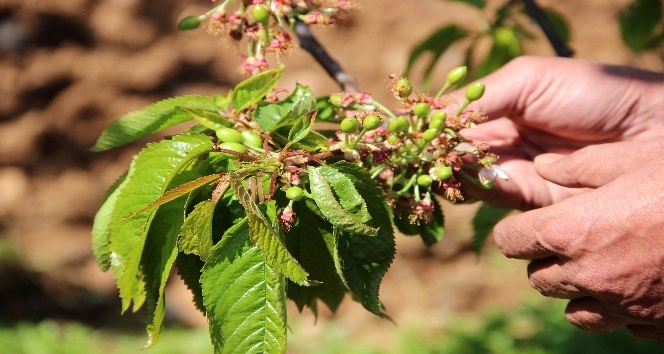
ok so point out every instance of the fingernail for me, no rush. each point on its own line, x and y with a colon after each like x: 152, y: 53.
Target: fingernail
x: 546, y: 159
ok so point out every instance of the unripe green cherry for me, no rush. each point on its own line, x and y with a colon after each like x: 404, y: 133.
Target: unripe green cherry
x: 440, y: 115
x: 252, y: 139
x: 443, y: 172
x: 350, y: 125
x: 403, y: 87
x: 430, y: 134
x: 229, y: 135
x: 424, y: 180
x: 475, y: 91
x: 371, y: 122
x: 233, y: 147
x: 189, y: 23
x: 335, y: 99
x: 393, y: 139
x: 457, y: 74
x: 399, y: 125
x: 422, y: 109
x: 294, y: 193
x: 260, y: 13
x: 437, y: 124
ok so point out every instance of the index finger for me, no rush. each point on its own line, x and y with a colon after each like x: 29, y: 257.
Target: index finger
x: 523, y: 236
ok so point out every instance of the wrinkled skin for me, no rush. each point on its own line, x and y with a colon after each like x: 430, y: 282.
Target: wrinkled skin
x: 583, y: 144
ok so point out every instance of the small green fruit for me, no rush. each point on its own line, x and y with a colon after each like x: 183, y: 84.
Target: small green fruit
x: 233, y: 147
x: 443, y: 172
x: 229, y: 135
x: 335, y: 99
x: 403, y: 87
x: 422, y: 109
x: 260, y: 13
x: 294, y: 193
x: 440, y: 115
x: 252, y: 139
x: 393, y: 139
x: 189, y: 23
x: 457, y: 74
x: 350, y: 125
x: 430, y: 134
x: 437, y: 124
x: 371, y: 122
x: 399, y: 125
x: 424, y: 180
x: 475, y: 91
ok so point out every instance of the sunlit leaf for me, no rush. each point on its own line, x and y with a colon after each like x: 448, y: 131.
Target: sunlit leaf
x: 149, y: 177
x: 102, y: 223
x: 334, y: 212
x: 244, y: 297
x: 267, y: 238
x: 151, y: 119
x: 248, y: 92
x: 177, y: 192
x: 285, y: 113
x: 196, y: 232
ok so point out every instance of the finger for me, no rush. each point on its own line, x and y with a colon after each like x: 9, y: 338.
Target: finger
x: 591, y: 315
x: 553, y: 277
x: 646, y: 332
x: 509, y: 90
x: 597, y: 165
x: 517, y: 236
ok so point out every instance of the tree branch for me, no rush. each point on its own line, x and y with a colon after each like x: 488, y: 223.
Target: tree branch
x: 536, y: 13
x: 309, y: 43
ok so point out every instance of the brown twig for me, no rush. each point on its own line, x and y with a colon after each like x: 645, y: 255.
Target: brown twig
x: 309, y: 43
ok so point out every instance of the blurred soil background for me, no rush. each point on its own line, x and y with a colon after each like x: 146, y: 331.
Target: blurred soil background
x: 69, y: 67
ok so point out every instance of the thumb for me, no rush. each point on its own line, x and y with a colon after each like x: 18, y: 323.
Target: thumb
x: 597, y: 165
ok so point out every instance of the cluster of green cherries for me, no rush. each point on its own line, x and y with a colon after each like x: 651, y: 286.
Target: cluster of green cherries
x: 415, y: 133
x: 233, y: 140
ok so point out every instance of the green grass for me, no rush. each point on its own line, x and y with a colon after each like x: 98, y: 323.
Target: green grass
x: 536, y: 328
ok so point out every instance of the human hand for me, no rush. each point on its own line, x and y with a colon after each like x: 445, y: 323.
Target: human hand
x: 602, y: 249
x: 560, y: 105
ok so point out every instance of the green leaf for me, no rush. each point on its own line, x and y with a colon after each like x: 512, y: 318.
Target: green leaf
x: 267, y: 238
x: 480, y: 4
x: 349, y: 198
x: 363, y: 261
x: 149, y: 176
x: 330, y: 207
x: 272, y: 116
x: 312, y: 142
x: 248, y: 92
x: 102, y: 222
x: 151, y: 119
x: 436, y: 44
x: 325, y: 110
x: 208, y: 119
x: 300, y: 129
x: 196, y: 232
x: 505, y: 47
x: 311, y: 242
x: 244, y: 297
x: 641, y: 25
x: 559, y: 23
x: 485, y: 219
x: 178, y: 191
x: 159, y: 255
x: 190, y: 269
